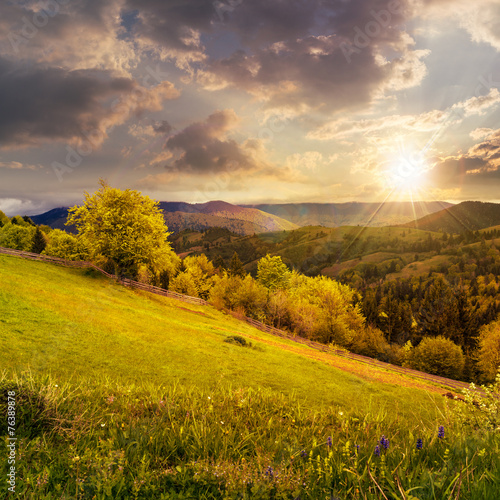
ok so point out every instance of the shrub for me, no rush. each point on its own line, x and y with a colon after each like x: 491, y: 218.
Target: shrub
x: 236, y: 293
x: 238, y: 340
x: 438, y: 356
x: 65, y: 246
x: 17, y: 236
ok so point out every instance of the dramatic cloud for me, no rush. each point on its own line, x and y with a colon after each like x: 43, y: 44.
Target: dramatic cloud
x: 83, y: 34
x: 332, y: 93
x: 41, y: 104
x: 205, y: 147
x: 345, y: 67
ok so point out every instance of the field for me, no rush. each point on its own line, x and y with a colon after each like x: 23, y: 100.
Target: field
x: 123, y: 394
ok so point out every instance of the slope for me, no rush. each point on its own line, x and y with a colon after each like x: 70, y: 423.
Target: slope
x: 75, y: 324
x: 352, y: 213
x: 466, y: 216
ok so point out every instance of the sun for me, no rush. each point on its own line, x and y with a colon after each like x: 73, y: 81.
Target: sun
x: 407, y: 175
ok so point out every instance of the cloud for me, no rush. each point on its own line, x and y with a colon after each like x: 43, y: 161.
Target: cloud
x: 425, y: 122
x: 295, y: 55
x: 86, y: 34
x: 206, y: 149
x: 172, y: 30
x: 479, y: 166
x: 313, y: 73
x: 16, y: 165
x: 51, y: 104
x: 205, y: 146
x: 480, y: 18
x: 480, y: 104
x: 309, y: 160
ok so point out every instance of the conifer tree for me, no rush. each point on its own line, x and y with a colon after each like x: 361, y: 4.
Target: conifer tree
x: 39, y: 241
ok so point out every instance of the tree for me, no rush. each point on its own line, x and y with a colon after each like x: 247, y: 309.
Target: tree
x: 273, y: 273
x: 489, y: 351
x: 123, y: 226
x: 322, y: 309
x: 438, y: 356
x: 236, y: 266
x: 197, y: 277
x: 39, y: 241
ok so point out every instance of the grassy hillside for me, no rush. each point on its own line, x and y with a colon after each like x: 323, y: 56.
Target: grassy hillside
x: 466, y: 216
x: 74, y: 323
x: 123, y: 394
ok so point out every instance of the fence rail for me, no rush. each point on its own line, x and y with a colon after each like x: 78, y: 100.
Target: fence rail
x: 123, y: 281
x: 455, y: 384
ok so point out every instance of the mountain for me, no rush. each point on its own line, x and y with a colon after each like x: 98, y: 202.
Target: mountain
x: 201, y: 216
x: 353, y: 213
x: 54, y: 218
x: 466, y: 216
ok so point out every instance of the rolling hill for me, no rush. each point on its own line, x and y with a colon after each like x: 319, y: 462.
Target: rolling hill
x: 466, y: 216
x: 353, y: 213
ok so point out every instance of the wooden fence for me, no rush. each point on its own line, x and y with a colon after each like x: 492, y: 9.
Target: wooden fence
x: 455, y: 384
x: 123, y: 281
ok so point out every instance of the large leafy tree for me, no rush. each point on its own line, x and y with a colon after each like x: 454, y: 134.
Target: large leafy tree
x: 124, y: 227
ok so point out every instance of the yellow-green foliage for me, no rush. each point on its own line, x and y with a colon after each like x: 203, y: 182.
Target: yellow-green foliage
x: 439, y: 356
x: 197, y: 278
x: 273, y: 273
x: 324, y: 309
x: 235, y: 293
x: 65, y: 245
x: 489, y: 350
x: 123, y: 226
x: 17, y: 236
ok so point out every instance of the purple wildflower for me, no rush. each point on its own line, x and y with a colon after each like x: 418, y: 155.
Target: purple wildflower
x: 303, y: 454
x: 377, y: 451
x: 329, y: 442
x: 269, y: 472
x: 441, y: 432
x: 419, y: 444
x: 384, y: 442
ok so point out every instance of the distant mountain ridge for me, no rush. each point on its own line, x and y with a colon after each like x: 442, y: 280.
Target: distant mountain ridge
x: 180, y: 215
x: 466, y: 216
x: 352, y: 213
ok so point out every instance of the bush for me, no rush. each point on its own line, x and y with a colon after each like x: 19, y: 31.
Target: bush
x: 65, y: 246
x: 17, y: 236
x: 438, y: 356
x: 370, y: 341
x: 236, y: 293
x: 489, y: 351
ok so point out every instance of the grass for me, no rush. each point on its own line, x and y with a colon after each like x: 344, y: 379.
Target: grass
x: 123, y: 394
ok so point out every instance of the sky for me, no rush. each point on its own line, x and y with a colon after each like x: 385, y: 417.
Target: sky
x: 249, y: 101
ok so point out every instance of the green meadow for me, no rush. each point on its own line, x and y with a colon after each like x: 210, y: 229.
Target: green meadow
x: 124, y: 394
